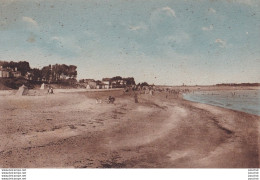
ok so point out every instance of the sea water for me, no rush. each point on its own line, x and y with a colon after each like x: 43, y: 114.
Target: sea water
x: 242, y: 100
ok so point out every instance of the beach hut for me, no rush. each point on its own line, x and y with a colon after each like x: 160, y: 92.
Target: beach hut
x: 44, y: 86
x: 22, y: 91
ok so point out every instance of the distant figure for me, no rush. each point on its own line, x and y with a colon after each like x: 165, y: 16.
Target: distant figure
x: 136, y: 98
x: 50, y: 90
x: 43, y: 86
x: 98, y: 101
x: 111, y: 100
x: 151, y: 92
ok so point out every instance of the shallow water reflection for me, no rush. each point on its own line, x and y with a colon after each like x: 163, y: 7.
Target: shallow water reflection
x: 241, y: 100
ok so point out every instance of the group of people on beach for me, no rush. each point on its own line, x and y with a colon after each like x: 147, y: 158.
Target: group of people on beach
x: 109, y: 100
x: 50, y: 90
x: 151, y: 90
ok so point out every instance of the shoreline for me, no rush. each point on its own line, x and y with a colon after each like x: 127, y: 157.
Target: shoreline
x: 220, y: 104
x: 157, y: 132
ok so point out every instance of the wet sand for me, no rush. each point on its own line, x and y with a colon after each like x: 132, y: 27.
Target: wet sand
x: 70, y: 130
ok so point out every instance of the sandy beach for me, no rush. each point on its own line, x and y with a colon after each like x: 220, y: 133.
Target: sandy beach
x: 70, y: 130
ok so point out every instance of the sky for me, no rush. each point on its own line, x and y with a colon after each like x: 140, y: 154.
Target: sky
x: 165, y: 42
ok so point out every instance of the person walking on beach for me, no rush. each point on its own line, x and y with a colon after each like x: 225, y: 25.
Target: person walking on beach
x: 136, y: 98
x: 51, y: 90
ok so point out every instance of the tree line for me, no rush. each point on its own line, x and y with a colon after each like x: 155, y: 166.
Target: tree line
x: 50, y: 73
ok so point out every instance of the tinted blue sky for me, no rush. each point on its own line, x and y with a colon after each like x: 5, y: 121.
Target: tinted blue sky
x: 161, y: 42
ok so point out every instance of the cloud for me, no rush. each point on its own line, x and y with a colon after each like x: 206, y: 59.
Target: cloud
x: 138, y: 27
x: 169, y: 11
x: 135, y: 28
x: 221, y: 42
x: 211, y: 10
x: 30, y: 21
x: 164, y: 15
x: 179, y: 38
x: 210, y: 28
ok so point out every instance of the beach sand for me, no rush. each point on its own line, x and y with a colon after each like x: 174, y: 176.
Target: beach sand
x: 70, y: 130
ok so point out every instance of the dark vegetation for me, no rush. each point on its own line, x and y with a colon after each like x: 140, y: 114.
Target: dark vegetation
x: 15, y: 83
x: 58, y: 74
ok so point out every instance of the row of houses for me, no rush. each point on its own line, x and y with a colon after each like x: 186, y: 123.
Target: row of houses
x: 9, y: 72
x: 93, y: 84
x: 105, y: 83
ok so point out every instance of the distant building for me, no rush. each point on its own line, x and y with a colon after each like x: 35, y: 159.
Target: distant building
x: 106, y: 83
x: 92, y: 84
x: 4, y: 73
x: 28, y: 76
x: 9, y: 72
x: 16, y: 74
x: 63, y: 76
x: 102, y: 86
x: 89, y: 83
x: 121, y: 83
